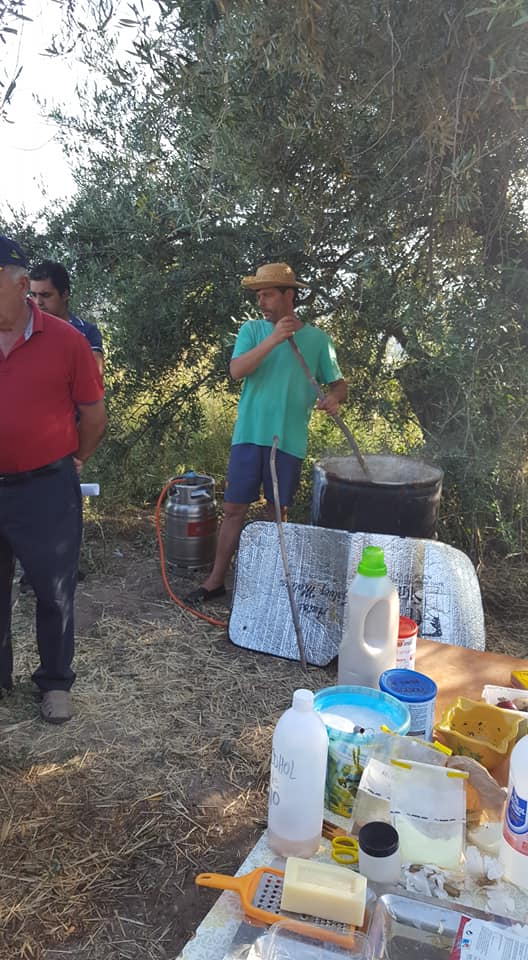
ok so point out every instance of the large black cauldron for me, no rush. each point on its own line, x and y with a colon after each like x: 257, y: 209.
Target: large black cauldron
x: 403, y: 497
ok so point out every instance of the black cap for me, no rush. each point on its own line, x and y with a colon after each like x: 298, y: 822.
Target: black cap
x: 11, y: 253
x: 378, y: 839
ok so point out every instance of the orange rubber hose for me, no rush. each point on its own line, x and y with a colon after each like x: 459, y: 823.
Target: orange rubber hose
x: 166, y: 584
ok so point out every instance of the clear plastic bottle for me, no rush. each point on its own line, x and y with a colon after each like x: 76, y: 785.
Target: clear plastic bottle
x: 370, y: 624
x: 514, y: 841
x: 297, y: 781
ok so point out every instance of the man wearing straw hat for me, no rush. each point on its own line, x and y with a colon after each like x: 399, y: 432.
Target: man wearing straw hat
x: 277, y: 399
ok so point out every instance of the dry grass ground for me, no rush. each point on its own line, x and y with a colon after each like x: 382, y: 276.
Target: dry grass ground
x: 163, y: 772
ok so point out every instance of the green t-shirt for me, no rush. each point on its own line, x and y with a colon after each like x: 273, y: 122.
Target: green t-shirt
x: 277, y: 398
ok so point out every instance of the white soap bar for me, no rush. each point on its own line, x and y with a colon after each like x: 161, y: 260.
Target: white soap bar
x: 324, y: 890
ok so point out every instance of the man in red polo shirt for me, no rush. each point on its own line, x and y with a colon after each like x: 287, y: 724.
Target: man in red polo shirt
x: 52, y: 419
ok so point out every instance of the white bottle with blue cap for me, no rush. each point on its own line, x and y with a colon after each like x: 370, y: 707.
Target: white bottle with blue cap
x: 369, y: 643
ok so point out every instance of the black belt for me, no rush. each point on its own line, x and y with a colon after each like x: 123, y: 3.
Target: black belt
x: 7, y: 479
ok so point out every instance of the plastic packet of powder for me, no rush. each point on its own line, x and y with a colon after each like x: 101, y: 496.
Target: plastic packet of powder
x: 485, y: 940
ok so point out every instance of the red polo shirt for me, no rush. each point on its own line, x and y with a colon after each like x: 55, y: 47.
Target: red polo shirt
x: 42, y: 381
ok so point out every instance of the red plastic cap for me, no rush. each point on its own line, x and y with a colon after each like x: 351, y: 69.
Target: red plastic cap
x: 408, y: 628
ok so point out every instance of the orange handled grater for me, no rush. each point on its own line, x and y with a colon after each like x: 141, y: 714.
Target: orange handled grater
x: 260, y: 894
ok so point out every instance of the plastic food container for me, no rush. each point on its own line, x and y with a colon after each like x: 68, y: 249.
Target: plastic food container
x: 353, y: 717
x: 280, y: 943
x: 479, y: 730
x: 493, y: 694
x: 379, y: 852
x: 418, y: 693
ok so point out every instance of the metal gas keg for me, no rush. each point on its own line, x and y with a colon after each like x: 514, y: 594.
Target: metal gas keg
x: 190, y: 522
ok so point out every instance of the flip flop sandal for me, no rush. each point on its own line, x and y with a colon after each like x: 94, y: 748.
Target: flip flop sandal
x: 202, y: 595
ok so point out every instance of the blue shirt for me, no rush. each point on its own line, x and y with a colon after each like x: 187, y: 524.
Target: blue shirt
x: 89, y: 330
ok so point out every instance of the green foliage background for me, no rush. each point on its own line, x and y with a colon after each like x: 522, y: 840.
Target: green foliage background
x: 378, y: 149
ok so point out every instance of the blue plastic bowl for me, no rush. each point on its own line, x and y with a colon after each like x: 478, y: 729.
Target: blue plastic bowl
x: 392, y: 712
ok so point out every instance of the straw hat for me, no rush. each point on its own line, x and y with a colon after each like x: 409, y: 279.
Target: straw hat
x: 272, y: 275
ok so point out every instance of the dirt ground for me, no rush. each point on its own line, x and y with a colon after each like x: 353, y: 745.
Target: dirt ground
x: 163, y: 772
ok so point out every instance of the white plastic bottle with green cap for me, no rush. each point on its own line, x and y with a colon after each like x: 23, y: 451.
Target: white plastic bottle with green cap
x: 297, y: 779
x: 369, y: 642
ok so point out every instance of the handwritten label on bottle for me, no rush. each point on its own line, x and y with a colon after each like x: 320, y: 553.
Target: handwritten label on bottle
x: 281, y: 769
x: 284, y: 767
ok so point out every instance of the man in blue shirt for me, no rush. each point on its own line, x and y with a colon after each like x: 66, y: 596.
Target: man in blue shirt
x: 50, y: 287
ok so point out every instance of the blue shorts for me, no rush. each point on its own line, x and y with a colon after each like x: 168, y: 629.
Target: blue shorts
x: 249, y: 469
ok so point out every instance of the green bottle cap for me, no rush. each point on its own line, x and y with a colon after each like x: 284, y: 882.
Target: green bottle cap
x: 372, y: 563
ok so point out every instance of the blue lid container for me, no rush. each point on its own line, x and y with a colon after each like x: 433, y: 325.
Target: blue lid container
x: 408, y: 685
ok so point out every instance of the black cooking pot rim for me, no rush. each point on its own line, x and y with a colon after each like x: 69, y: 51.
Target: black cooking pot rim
x: 435, y: 474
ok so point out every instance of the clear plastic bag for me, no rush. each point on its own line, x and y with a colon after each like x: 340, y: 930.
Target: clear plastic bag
x: 392, y: 746
x: 428, y: 809
x: 485, y: 798
x: 373, y: 797
x: 426, y: 804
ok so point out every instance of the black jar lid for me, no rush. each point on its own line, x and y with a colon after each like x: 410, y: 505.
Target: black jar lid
x: 378, y: 839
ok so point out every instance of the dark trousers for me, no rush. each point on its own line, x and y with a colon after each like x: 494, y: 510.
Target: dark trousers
x: 41, y: 524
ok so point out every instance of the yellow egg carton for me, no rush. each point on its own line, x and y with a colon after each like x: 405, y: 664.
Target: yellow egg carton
x: 479, y: 730
x: 519, y: 678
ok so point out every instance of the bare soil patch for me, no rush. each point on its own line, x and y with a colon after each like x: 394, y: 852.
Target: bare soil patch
x: 163, y: 772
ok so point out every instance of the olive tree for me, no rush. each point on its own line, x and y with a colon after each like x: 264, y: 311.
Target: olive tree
x: 382, y: 153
